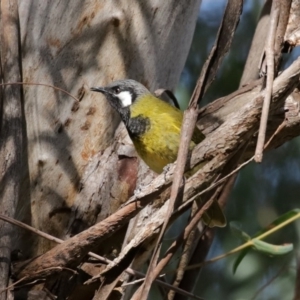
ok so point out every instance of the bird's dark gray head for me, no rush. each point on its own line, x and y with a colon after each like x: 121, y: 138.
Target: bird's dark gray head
x: 121, y: 94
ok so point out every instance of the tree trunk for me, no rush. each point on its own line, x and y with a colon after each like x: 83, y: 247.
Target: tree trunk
x: 73, y: 46
x: 12, y: 162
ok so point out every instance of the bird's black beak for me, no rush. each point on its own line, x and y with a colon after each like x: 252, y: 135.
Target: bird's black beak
x: 99, y: 89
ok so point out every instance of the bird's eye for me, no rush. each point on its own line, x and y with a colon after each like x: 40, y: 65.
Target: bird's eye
x: 117, y: 90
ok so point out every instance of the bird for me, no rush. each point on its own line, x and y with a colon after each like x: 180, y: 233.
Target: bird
x: 154, y: 127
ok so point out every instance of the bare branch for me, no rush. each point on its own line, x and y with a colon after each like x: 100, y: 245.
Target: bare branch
x: 208, y: 72
x: 187, y: 251
x: 270, y: 78
x: 103, y: 259
x: 40, y: 84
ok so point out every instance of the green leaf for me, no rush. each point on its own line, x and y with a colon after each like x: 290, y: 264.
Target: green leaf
x: 263, y: 246
x: 288, y: 215
x: 241, y: 256
x: 271, y: 249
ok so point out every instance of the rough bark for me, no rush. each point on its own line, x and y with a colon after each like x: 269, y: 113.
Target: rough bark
x: 11, y: 135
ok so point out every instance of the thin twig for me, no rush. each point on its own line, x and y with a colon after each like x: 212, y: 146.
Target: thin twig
x: 182, y: 237
x: 137, y: 281
x: 213, y: 185
x: 208, y: 72
x: 279, y: 128
x: 283, y: 268
x: 29, y: 228
x: 268, y: 92
x: 40, y: 84
x: 12, y: 285
x: 243, y: 246
x: 24, y: 279
x: 187, y: 250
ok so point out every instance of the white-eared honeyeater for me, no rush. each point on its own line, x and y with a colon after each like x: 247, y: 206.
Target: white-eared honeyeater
x: 154, y: 128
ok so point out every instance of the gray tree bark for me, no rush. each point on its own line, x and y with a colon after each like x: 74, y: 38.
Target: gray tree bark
x: 75, y: 45
x: 12, y: 165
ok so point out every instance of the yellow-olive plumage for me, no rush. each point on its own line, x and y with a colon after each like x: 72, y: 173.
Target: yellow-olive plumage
x: 154, y: 127
x: 159, y: 145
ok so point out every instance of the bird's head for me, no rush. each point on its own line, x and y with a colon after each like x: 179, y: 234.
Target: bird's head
x: 122, y: 94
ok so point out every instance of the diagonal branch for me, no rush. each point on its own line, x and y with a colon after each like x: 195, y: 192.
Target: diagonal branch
x: 91, y: 254
x: 208, y: 73
x: 270, y: 78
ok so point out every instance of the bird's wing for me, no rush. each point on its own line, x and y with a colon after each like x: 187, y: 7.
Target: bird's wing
x: 174, y: 119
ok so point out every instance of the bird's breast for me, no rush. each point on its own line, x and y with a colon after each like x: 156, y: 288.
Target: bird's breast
x: 154, y: 128
x: 158, y: 145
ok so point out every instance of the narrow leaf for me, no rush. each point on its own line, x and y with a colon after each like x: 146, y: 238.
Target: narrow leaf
x: 263, y: 246
x: 270, y: 248
x: 241, y: 256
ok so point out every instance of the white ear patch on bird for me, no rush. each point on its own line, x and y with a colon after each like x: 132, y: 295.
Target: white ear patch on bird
x: 125, y: 98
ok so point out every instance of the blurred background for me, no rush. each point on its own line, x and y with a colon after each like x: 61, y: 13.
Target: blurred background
x: 262, y: 192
